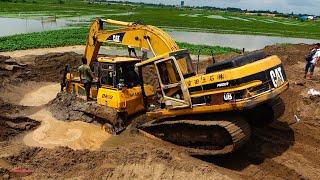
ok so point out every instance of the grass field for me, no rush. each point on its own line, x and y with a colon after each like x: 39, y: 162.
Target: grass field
x: 173, y: 18
x: 77, y: 36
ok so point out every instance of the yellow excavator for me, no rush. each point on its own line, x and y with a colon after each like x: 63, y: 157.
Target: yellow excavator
x: 204, y: 113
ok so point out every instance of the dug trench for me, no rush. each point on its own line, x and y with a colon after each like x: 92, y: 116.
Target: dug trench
x: 34, y: 137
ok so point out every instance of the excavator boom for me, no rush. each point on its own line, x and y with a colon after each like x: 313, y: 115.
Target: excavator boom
x: 129, y: 34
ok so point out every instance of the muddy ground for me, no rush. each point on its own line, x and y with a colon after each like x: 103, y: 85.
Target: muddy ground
x: 35, y: 144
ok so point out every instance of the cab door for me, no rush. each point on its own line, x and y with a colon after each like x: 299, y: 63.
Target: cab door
x: 174, y: 90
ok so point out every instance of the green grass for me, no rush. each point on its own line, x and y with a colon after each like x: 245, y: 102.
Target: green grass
x: 206, y: 50
x: 168, y: 17
x: 63, y: 37
x: 77, y: 36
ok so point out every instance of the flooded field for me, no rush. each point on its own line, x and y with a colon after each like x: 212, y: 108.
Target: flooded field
x: 13, y: 26
x: 249, y: 42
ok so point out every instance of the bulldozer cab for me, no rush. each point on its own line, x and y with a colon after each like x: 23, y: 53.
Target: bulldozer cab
x: 117, y: 72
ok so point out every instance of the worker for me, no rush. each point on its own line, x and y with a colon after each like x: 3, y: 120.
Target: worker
x: 131, y: 78
x: 64, y: 82
x: 144, y: 55
x: 132, y: 50
x: 97, y: 71
x: 86, y: 77
x: 311, y: 61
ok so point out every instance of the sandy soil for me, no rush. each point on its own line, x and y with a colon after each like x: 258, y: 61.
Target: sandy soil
x: 31, y: 138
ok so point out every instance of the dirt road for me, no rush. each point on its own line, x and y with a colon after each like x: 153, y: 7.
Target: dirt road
x: 31, y: 138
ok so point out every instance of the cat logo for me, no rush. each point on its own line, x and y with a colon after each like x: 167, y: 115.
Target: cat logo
x: 277, y: 77
x: 116, y: 38
x: 221, y: 76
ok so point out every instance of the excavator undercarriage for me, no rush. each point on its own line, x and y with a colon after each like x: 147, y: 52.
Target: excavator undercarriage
x: 217, y: 133
x: 207, y: 134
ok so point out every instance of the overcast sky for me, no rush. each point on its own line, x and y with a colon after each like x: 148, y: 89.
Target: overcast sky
x: 287, y: 6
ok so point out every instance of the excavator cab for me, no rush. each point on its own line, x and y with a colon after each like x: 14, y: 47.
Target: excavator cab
x: 171, y: 72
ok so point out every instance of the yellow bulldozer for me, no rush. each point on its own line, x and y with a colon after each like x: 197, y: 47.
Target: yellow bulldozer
x: 203, y: 113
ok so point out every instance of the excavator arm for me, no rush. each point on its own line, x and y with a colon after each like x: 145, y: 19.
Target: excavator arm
x: 130, y: 34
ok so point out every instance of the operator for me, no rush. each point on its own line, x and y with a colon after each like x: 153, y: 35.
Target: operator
x: 86, y: 76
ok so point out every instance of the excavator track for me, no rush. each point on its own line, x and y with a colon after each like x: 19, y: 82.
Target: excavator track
x: 278, y: 108
x: 266, y: 113
x: 201, y: 136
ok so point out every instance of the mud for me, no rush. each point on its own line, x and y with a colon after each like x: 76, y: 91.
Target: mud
x: 54, y: 133
x: 12, y: 126
x: 67, y: 107
x: 287, y: 149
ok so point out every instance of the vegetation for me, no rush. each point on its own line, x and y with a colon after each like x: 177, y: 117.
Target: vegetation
x: 186, y: 19
x: 77, y: 36
x: 206, y: 50
x: 63, y: 37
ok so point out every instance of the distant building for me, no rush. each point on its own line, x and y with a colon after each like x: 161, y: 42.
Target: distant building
x: 307, y: 17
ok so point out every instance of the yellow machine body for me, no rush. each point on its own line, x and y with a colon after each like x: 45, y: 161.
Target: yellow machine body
x: 217, y: 85
x: 127, y: 100
x: 124, y: 99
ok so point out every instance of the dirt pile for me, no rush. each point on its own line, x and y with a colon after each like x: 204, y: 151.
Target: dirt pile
x: 49, y: 67
x: 46, y: 68
x: 142, y: 162
x: 67, y: 107
x: 289, y: 54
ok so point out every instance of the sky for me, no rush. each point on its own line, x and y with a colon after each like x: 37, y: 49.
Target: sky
x: 285, y: 6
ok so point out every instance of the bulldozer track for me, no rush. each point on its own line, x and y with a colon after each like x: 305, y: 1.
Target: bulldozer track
x: 238, y: 129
